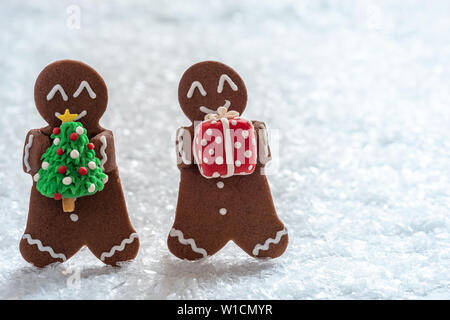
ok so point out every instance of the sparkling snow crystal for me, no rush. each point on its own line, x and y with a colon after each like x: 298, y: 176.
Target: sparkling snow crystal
x: 356, y: 99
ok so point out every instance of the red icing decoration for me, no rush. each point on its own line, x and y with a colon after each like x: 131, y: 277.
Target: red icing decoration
x: 57, y: 196
x: 82, y: 171
x: 73, y: 136
x: 243, y: 158
x: 62, y: 169
x: 91, y: 146
x: 56, y: 130
x: 59, y: 152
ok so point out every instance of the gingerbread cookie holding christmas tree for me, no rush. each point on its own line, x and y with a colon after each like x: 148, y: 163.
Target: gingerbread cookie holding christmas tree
x: 76, y: 199
x: 224, y: 194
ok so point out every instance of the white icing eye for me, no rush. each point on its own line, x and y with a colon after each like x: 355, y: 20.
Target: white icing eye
x: 196, y: 84
x: 56, y: 88
x: 84, y: 84
x: 222, y: 80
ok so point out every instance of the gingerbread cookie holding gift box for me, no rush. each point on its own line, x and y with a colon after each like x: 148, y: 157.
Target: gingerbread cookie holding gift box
x: 76, y: 199
x: 223, y: 194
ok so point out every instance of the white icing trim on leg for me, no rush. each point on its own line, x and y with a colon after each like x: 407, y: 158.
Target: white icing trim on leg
x: 191, y: 242
x: 120, y: 247
x: 27, y: 152
x: 43, y: 248
x: 266, y: 244
x: 102, y: 151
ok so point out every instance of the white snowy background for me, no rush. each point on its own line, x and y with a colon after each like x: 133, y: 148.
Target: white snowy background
x: 357, y: 91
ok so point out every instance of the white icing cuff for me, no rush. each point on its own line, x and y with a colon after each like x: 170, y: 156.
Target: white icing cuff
x: 102, y: 151
x: 266, y: 244
x: 191, y: 242
x: 120, y: 247
x: 27, y: 152
x: 43, y: 248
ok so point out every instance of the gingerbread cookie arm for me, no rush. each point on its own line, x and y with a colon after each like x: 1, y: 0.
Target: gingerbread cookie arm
x: 105, y: 151
x: 264, y: 154
x: 35, y: 145
x: 184, y: 148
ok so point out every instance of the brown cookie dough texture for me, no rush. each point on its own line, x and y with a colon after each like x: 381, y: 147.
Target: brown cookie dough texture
x: 211, y: 212
x: 100, y: 221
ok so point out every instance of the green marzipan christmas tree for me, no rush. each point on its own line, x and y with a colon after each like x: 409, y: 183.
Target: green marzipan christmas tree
x: 70, y: 168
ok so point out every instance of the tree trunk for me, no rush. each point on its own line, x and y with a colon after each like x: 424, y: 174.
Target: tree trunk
x: 68, y: 204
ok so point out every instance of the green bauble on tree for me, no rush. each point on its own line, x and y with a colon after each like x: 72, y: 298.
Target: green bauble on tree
x: 70, y: 168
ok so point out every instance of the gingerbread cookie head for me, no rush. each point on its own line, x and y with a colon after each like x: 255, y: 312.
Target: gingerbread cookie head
x: 73, y: 85
x: 208, y: 85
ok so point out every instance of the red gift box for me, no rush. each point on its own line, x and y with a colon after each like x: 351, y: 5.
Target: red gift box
x: 224, y: 147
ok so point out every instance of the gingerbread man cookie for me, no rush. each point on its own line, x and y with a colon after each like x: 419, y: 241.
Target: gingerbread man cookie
x: 223, y: 194
x: 76, y: 199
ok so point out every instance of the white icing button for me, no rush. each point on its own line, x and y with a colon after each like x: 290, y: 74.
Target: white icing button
x: 205, y: 159
x: 203, y: 142
x: 67, y: 180
x: 45, y: 165
x: 74, y: 154
x: 73, y: 216
x: 237, y: 144
x: 250, y: 167
x: 91, y: 188
x: 233, y: 122
x: 105, y: 179
x: 56, y: 141
x: 223, y: 211
x: 219, y: 160
x: 237, y: 163
x: 79, y: 130
x: 216, y: 174
x: 209, y: 132
x: 211, y: 151
x: 213, y: 122
x: 220, y: 184
x: 248, y: 154
x: 218, y: 140
x: 91, y: 164
x: 36, y: 177
x: 245, y: 134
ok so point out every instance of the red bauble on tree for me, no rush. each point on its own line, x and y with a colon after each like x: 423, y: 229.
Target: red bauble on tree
x: 62, y: 169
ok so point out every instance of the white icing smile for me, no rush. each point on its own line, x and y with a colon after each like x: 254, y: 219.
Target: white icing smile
x: 80, y: 115
x: 207, y: 110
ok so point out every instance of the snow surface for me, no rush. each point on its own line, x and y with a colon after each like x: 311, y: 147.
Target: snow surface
x: 357, y: 92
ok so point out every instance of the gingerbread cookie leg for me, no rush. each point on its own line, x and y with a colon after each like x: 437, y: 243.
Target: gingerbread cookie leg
x: 199, y: 229
x: 194, y: 245
x: 267, y: 241
x: 51, y: 235
x: 110, y: 237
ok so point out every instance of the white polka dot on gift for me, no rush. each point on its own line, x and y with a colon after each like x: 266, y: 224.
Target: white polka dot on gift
x: 219, y: 160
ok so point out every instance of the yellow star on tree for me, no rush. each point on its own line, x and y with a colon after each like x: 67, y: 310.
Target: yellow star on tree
x: 67, y: 116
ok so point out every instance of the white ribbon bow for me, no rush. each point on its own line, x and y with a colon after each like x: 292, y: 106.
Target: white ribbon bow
x: 222, y: 113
